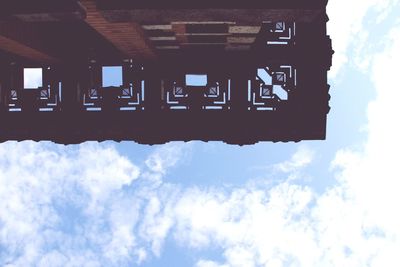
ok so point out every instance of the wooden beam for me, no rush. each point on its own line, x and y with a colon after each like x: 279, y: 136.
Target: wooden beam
x: 24, y: 40
x: 240, y: 16
x: 212, y: 4
x: 128, y: 37
x: 41, y: 10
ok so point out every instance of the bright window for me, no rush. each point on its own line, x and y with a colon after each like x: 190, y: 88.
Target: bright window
x: 33, y: 78
x: 112, y: 76
x: 196, y: 80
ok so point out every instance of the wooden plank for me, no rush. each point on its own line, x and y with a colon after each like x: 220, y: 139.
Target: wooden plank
x: 225, y: 4
x: 128, y: 37
x: 24, y: 40
x: 18, y: 7
x: 241, y: 40
x: 180, y: 30
x: 25, y: 51
x: 185, y: 16
x: 245, y: 29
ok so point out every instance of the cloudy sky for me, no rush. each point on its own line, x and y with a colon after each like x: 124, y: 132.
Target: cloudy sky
x: 317, y: 203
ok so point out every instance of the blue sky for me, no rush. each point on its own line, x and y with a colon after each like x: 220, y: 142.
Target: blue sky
x: 314, y: 203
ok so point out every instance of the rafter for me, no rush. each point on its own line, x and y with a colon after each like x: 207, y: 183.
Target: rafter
x: 128, y: 37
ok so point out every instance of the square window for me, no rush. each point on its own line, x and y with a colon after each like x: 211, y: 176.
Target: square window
x: 33, y: 78
x: 196, y: 80
x: 112, y: 76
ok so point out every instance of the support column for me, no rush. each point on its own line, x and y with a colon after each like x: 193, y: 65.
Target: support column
x: 4, y: 84
x: 152, y: 91
x: 72, y: 86
x: 239, y: 88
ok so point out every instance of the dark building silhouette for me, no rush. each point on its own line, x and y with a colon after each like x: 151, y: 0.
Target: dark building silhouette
x: 161, y: 70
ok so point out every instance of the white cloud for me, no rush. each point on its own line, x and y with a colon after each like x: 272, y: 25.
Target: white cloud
x: 82, y: 205
x: 165, y: 157
x: 156, y: 222
x: 45, y: 189
x: 348, y: 31
x: 300, y: 159
x: 252, y: 227
x: 208, y: 263
x: 374, y: 172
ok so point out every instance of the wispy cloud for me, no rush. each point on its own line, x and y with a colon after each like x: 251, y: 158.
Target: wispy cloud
x: 349, y: 33
x: 300, y: 159
x: 83, y: 205
x: 53, y: 202
x: 166, y: 156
